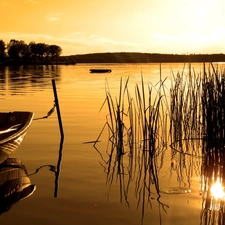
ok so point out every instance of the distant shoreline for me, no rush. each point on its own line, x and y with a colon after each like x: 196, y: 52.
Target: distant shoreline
x: 124, y: 57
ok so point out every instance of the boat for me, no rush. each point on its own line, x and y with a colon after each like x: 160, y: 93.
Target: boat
x: 13, y: 128
x: 15, y: 184
x: 100, y: 71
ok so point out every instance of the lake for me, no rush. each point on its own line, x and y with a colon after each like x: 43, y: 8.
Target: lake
x: 84, y: 197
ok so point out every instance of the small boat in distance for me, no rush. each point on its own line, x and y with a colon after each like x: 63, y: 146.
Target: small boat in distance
x: 100, y: 71
x: 13, y: 127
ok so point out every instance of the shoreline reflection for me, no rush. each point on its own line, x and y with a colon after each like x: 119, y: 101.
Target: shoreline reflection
x: 15, y: 79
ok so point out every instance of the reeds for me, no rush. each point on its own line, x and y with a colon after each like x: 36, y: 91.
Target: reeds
x: 151, y: 114
x: 137, y: 129
x: 118, y: 130
x: 185, y: 123
x: 188, y: 120
x: 213, y: 104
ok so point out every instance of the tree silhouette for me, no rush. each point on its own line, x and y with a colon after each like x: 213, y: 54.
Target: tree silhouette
x: 18, y: 51
x: 38, y: 51
x: 2, y: 50
x: 54, y: 52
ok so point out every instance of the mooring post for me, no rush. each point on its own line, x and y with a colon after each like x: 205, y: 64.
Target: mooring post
x: 57, y: 108
x: 61, y: 141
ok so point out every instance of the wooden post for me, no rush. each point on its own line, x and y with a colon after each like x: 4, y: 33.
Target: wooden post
x: 61, y: 142
x: 57, y: 108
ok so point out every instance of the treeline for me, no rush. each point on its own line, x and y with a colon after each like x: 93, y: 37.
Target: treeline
x: 129, y: 57
x: 19, y: 53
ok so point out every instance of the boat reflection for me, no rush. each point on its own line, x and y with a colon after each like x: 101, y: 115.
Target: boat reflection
x: 15, y: 184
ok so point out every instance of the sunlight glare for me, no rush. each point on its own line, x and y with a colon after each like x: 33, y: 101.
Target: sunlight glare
x: 217, y: 190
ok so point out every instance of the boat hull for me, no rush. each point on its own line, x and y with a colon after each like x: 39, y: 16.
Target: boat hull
x: 13, y: 128
x: 100, y: 71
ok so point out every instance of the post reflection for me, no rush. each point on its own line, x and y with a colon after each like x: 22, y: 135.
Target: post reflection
x: 15, y: 184
x: 55, y: 169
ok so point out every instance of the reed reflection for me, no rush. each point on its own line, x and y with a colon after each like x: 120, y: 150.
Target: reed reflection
x: 213, y: 176
x: 15, y: 184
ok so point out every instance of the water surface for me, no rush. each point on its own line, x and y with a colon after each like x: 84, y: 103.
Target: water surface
x: 83, y: 193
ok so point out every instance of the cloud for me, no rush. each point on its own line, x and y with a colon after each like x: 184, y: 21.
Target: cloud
x: 80, y: 43
x: 75, y: 43
x: 24, y: 36
x: 53, y: 19
x: 186, y: 42
x: 54, y: 16
x: 34, y: 1
x: 97, y: 43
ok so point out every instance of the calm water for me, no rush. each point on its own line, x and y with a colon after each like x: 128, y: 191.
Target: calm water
x: 82, y: 191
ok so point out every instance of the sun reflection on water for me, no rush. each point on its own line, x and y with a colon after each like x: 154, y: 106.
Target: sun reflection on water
x: 213, y: 210
x: 217, y: 190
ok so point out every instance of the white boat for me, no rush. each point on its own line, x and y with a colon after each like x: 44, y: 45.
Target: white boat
x: 13, y: 127
x: 15, y: 184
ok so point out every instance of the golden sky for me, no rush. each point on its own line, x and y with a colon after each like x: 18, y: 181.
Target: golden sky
x: 89, y: 26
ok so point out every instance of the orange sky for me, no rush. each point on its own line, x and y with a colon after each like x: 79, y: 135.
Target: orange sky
x: 88, y: 26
